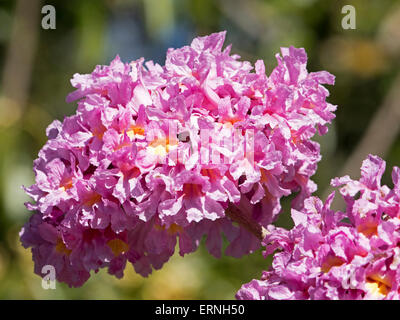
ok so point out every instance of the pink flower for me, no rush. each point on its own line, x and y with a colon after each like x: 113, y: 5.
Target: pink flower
x: 338, y: 255
x: 156, y: 155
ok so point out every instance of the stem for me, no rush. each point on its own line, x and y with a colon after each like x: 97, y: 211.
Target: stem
x: 246, y: 221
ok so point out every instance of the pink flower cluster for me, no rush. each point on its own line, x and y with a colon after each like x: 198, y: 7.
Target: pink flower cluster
x: 155, y: 155
x: 338, y: 255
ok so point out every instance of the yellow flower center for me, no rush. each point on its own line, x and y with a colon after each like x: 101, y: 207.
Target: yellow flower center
x: 161, y: 146
x: 368, y: 228
x: 118, y: 246
x: 61, y: 248
x: 172, y: 230
x: 92, y: 199
x: 331, y: 261
x: 378, y: 286
x: 135, y: 130
x: 99, y: 131
x: 66, y: 184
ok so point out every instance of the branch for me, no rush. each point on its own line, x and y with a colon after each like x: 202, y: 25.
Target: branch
x: 18, y: 65
x: 247, y: 222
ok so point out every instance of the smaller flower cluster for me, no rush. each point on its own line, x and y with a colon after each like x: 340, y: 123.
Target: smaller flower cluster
x: 332, y: 255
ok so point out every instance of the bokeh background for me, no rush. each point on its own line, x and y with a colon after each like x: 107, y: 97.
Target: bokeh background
x: 36, y: 65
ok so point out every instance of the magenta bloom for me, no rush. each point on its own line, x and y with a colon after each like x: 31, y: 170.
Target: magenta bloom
x: 338, y: 255
x: 157, y: 155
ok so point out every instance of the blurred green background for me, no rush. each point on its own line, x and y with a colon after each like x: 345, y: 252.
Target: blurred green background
x: 36, y: 65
